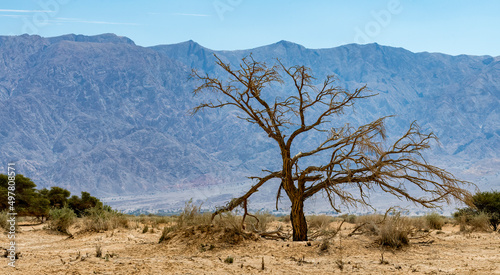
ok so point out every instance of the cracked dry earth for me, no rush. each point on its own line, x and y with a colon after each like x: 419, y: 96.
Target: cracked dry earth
x: 129, y: 251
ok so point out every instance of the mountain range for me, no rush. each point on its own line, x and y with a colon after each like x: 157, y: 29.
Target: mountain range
x: 104, y: 115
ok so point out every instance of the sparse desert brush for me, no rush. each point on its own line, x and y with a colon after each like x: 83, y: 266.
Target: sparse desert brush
x: 61, y: 219
x: 262, y: 221
x: 434, y: 221
x: 420, y: 223
x: 472, y: 220
x: 192, y: 215
x: 349, y: 218
x: 394, y: 231
x: 285, y: 219
x: 142, y: 218
x: 369, y: 224
x: 480, y: 222
x: 152, y: 221
x: 165, y: 234
x: 157, y: 220
x: 318, y: 221
x: 195, y: 228
x: 224, y: 230
x: 3, y: 220
x: 229, y: 220
x: 103, y: 219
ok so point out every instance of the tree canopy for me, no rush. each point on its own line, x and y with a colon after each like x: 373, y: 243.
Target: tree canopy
x: 32, y: 202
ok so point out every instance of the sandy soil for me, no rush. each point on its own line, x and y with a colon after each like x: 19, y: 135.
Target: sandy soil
x: 129, y: 251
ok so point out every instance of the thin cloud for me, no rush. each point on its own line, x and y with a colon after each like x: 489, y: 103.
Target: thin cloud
x: 180, y: 14
x: 191, y: 14
x: 76, y: 20
x: 25, y: 11
x: 12, y: 15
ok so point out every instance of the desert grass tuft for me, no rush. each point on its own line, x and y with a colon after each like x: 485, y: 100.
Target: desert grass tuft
x: 102, y: 219
x: 195, y: 227
x: 470, y: 220
x: 348, y: 218
x: 4, y: 220
x: 319, y: 221
x: 229, y: 260
x: 434, y: 221
x: 394, y: 231
x: 98, y: 251
x: 480, y: 222
x: 264, y: 218
x: 369, y: 224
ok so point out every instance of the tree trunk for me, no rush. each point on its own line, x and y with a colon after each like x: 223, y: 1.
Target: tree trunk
x: 299, y: 223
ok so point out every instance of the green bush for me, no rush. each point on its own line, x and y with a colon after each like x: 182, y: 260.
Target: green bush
x: 80, y: 205
x: 487, y: 205
x: 61, y: 219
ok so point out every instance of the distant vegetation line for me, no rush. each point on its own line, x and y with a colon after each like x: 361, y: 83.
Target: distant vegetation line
x: 38, y: 203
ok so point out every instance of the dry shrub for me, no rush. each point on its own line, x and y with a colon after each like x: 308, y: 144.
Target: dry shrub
x: 471, y: 220
x: 264, y: 218
x: 395, y: 231
x: 195, y: 236
x: 157, y: 220
x: 349, y: 218
x: 192, y: 215
x: 228, y: 220
x: 195, y: 228
x: 285, y: 219
x: 462, y: 221
x: 420, y: 224
x: 480, y: 222
x: 4, y: 216
x: 318, y: 221
x: 369, y: 224
x: 434, y: 221
x: 103, y: 219
x: 152, y: 221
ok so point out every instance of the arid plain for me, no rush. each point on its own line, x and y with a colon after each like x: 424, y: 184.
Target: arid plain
x: 205, y: 250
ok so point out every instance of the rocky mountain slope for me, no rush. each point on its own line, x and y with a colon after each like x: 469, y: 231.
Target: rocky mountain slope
x: 101, y: 114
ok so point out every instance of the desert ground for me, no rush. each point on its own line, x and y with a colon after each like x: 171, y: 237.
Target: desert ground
x: 200, y: 251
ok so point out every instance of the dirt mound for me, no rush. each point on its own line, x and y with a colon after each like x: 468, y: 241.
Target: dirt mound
x: 201, y: 235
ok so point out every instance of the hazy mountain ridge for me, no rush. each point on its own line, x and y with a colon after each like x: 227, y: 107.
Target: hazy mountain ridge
x: 455, y: 96
x: 104, y: 115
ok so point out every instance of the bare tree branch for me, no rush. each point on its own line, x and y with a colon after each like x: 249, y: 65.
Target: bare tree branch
x: 356, y: 160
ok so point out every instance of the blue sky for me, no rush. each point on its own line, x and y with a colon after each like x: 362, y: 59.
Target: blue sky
x: 452, y: 27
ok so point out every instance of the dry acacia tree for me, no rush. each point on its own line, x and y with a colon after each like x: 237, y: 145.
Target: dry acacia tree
x: 355, y: 160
